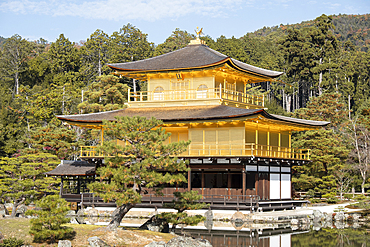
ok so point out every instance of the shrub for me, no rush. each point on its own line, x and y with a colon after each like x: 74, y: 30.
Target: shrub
x: 360, y: 197
x: 184, y: 201
x: 50, y: 216
x: 12, y: 242
x: 348, y: 196
x: 331, y: 197
x: 315, y: 200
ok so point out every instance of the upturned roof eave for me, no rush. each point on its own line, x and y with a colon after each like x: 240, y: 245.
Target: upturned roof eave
x: 295, y: 121
x: 227, y: 60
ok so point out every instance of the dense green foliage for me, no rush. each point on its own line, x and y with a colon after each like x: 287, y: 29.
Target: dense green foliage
x: 184, y: 201
x: 11, y: 242
x: 22, y: 177
x: 51, y: 215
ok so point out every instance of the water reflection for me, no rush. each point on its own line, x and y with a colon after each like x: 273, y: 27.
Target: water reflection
x: 238, y: 233
x: 284, y: 237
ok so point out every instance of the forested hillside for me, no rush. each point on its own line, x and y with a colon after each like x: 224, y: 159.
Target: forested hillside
x: 354, y: 28
x: 326, y: 65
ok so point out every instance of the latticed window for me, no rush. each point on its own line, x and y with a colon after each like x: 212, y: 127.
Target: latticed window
x: 180, y: 85
x: 179, y: 89
x: 231, y: 86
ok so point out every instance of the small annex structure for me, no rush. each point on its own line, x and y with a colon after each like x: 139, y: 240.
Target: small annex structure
x: 238, y: 151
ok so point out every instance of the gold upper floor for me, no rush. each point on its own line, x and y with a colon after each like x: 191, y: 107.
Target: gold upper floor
x: 227, y: 140
x: 215, y: 86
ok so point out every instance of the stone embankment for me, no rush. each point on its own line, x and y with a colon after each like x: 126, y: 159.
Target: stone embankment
x: 175, y: 242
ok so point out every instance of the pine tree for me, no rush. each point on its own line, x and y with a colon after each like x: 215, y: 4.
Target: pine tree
x: 129, y: 44
x: 63, y: 56
x: 327, y: 107
x: 328, y: 149
x: 23, y: 179
x: 60, y: 141
x: 178, y: 39
x: 184, y: 201
x: 105, y: 94
x: 145, y: 162
x: 95, y: 55
x: 324, y: 45
x: 51, y: 215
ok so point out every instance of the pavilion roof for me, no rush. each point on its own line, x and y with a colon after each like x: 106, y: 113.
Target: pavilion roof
x: 186, y: 114
x: 73, y: 168
x: 190, y: 57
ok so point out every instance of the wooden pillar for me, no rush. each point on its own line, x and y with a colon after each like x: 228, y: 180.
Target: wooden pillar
x: 290, y: 144
x: 203, y: 182
x: 189, y: 180
x: 61, y: 188
x: 257, y: 140
x: 228, y: 183
x: 244, y: 179
x: 279, y: 146
x: 102, y: 135
x: 268, y: 143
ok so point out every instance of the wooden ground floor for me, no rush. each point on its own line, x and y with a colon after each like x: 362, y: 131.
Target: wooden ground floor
x: 224, y: 183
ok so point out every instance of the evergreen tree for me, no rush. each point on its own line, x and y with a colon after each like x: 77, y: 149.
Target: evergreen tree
x: 145, y: 162
x: 328, y: 154
x: 48, y: 221
x: 23, y: 179
x: 105, y: 94
x: 63, y: 56
x: 95, y: 55
x: 184, y: 201
x: 177, y: 40
x: 328, y: 149
x: 129, y: 44
x: 56, y: 140
x: 323, y: 45
x: 12, y: 126
x: 327, y: 107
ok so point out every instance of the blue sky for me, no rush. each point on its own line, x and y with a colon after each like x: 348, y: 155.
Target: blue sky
x: 77, y: 20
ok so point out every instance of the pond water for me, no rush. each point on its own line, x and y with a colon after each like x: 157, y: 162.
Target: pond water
x: 222, y: 234
x: 285, y: 237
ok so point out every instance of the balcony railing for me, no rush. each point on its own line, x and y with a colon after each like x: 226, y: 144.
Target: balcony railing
x: 234, y: 150
x: 193, y: 94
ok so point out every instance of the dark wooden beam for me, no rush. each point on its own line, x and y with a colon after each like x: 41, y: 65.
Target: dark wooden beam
x: 212, y: 166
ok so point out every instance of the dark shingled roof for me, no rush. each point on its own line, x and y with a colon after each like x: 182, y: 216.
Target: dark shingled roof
x: 73, y: 168
x: 191, y: 56
x: 185, y: 113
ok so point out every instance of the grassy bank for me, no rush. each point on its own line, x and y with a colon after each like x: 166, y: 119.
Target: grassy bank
x: 19, y: 227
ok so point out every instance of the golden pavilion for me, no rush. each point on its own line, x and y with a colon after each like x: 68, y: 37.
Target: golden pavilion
x: 239, y: 153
